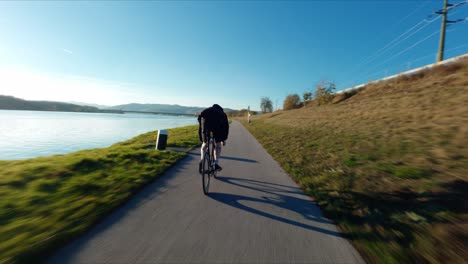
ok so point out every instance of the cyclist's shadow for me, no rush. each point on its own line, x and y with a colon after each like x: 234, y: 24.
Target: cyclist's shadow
x: 278, y: 195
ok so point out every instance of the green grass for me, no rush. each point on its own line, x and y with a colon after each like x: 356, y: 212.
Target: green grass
x: 388, y: 164
x: 47, y: 201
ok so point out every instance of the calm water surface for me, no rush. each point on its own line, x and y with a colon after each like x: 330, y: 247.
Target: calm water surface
x: 28, y: 134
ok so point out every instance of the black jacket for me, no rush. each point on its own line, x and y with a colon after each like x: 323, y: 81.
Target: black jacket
x: 215, y: 120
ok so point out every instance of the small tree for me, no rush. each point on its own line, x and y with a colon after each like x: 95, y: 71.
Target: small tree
x: 292, y: 101
x: 306, y: 97
x: 324, y: 92
x: 266, y: 105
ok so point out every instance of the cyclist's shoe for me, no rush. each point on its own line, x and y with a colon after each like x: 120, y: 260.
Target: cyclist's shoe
x: 200, y: 167
x: 218, y: 168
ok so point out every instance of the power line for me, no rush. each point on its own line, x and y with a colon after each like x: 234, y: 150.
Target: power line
x: 420, y: 58
x: 411, y: 32
x: 393, y: 44
x: 421, y: 28
x: 451, y: 6
x: 419, y: 7
x: 412, y: 46
x: 396, y: 41
x: 348, y: 84
x: 370, y: 57
x: 434, y: 53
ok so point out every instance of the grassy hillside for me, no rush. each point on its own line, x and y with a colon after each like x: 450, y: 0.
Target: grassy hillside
x: 48, y: 201
x: 388, y: 163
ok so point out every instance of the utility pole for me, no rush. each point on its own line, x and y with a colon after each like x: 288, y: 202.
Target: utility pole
x: 440, y: 54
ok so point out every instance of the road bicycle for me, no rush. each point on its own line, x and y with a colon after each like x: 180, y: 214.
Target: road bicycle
x: 208, y: 162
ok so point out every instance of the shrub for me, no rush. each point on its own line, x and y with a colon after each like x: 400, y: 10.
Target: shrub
x: 324, y: 92
x: 292, y: 101
x: 307, y: 96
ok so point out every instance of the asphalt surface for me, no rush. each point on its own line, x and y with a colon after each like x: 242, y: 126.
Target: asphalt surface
x: 254, y: 213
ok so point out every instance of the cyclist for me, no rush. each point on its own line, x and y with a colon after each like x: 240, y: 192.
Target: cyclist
x: 215, y: 120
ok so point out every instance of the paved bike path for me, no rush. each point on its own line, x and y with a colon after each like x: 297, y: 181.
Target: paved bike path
x: 254, y: 214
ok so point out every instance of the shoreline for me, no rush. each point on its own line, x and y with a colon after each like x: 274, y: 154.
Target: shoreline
x: 48, y: 201
x: 46, y: 133
x: 103, y: 111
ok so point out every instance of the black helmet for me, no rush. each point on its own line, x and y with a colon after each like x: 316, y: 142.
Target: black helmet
x: 217, y: 106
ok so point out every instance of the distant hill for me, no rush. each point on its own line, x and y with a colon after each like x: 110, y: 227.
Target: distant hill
x: 161, y: 108
x: 88, y: 104
x: 13, y: 103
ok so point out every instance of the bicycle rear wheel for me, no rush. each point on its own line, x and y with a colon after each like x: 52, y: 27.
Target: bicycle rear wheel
x: 206, y: 171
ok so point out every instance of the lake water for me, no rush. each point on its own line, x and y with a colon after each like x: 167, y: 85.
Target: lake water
x: 28, y: 134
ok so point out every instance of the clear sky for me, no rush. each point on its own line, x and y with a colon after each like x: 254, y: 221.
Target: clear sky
x: 196, y: 53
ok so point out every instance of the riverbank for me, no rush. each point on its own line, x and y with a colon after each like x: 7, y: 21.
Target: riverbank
x: 51, y: 200
x: 387, y: 163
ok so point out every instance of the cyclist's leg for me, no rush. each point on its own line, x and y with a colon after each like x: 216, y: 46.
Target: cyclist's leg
x: 202, y: 134
x: 202, y: 150
x: 217, y: 155
x: 218, y: 140
x: 217, y: 152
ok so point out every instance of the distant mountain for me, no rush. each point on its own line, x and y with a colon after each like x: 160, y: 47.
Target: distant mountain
x: 13, y: 103
x: 161, y: 108
x: 88, y: 104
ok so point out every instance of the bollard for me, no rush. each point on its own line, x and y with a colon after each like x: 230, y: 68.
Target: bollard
x: 161, y: 140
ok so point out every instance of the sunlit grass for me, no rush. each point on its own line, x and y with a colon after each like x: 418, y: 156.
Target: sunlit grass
x: 388, y: 163
x: 47, y: 201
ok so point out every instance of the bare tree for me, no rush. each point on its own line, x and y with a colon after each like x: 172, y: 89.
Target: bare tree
x: 266, y: 105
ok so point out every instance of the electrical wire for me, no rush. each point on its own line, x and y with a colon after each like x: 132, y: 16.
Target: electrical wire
x: 396, y: 41
x: 420, y: 58
x: 410, y: 47
x: 407, y: 37
x: 404, y: 36
x: 391, y: 44
x: 365, y: 61
x: 435, y: 53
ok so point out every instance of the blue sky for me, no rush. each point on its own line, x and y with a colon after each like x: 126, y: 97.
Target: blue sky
x: 197, y: 53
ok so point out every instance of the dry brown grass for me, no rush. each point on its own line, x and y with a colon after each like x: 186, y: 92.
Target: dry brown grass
x: 388, y: 162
